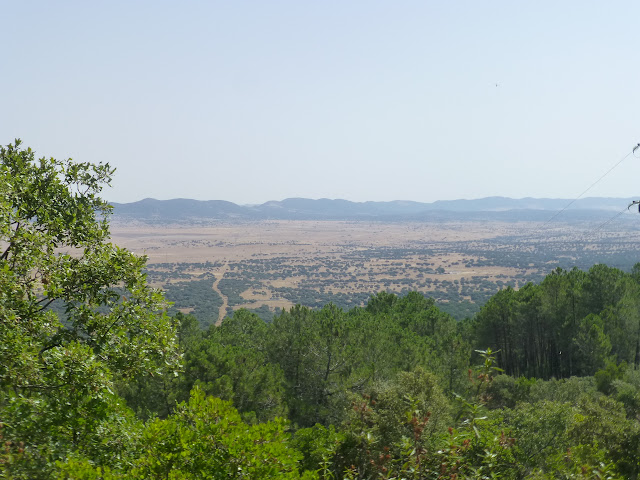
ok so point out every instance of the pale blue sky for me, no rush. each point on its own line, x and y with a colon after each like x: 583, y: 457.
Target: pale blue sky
x: 362, y: 100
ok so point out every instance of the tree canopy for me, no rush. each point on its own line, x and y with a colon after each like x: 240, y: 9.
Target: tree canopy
x: 57, y: 372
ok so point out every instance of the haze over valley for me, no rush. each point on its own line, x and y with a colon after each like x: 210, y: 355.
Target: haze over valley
x: 215, y: 257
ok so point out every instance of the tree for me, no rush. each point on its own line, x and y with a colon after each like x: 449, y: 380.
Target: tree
x: 157, y: 396
x: 206, y: 438
x: 317, y: 353
x: 496, y: 327
x: 56, y: 372
x: 231, y: 363
x: 592, y: 345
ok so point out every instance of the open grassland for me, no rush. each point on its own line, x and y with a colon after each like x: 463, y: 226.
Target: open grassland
x: 276, y: 264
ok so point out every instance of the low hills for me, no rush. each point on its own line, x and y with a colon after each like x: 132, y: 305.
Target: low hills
x: 499, y: 208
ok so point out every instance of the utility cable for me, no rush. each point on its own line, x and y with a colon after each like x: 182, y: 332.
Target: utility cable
x: 632, y: 204
x: 591, y: 186
x: 604, y: 224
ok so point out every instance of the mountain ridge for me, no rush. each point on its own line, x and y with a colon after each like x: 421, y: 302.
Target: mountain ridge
x: 298, y: 208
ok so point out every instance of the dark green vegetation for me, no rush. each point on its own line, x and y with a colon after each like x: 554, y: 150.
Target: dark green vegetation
x: 542, y: 383
x: 196, y: 296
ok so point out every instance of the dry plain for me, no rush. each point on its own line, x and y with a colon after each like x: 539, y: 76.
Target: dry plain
x: 276, y: 264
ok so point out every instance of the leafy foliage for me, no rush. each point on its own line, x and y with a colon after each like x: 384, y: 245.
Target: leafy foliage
x: 56, y: 377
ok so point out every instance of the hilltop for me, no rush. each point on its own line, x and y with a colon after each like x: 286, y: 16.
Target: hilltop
x: 508, y: 209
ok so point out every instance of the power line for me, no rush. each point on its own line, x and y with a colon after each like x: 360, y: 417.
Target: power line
x: 591, y: 186
x: 604, y: 224
x: 632, y: 204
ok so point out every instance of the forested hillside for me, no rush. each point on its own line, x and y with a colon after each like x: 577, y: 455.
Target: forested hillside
x: 544, y: 382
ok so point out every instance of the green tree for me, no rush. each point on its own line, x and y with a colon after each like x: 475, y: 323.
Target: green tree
x: 622, y: 324
x: 592, y: 345
x: 382, y: 302
x: 318, y: 353
x: 206, y: 438
x: 496, y: 326
x: 157, y: 395
x: 56, y: 373
x: 240, y: 374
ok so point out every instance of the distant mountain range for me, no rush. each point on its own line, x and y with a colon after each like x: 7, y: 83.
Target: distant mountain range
x: 185, y: 210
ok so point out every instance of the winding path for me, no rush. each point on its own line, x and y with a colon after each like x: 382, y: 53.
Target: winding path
x: 225, y: 301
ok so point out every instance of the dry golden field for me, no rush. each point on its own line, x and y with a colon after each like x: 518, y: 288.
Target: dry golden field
x: 281, y: 263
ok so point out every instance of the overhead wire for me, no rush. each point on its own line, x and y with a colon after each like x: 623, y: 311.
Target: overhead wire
x: 604, y: 224
x: 634, y: 202
x: 591, y: 186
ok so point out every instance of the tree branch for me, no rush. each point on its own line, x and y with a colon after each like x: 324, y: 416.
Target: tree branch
x: 49, y: 347
x: 43, y: 387
x: 49, y: 302
x: 118, y: 318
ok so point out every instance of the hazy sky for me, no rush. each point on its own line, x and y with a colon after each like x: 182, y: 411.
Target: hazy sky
x: 362, y: 100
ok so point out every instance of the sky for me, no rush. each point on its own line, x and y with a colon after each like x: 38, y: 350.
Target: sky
x: 251, y: 101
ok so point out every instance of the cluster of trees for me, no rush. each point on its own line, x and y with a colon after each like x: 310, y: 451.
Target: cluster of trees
x: 305, y: 364
x: 395, y: 390
x: 573, y: 323
x: 542, y: 383
x: 197, y: 296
